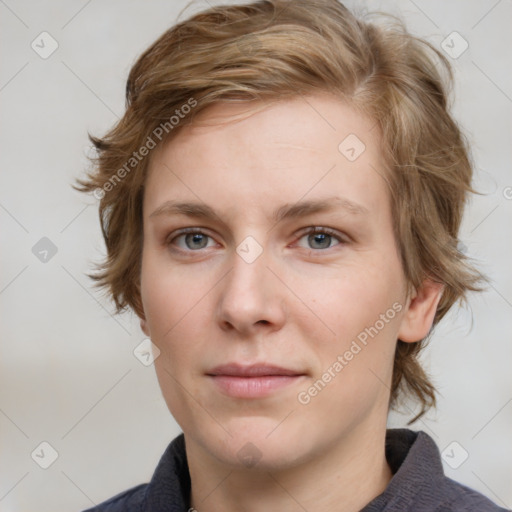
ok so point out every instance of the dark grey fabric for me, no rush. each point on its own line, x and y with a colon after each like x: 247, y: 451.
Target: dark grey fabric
x: 418, y: 483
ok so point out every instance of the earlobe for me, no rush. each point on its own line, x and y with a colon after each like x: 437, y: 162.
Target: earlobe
x: 419, y: 315
x: 144, y: 327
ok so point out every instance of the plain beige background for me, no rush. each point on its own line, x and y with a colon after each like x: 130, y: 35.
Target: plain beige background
x: 68, y: 373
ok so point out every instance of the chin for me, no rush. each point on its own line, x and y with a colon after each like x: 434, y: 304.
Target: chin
x: 260, y: 444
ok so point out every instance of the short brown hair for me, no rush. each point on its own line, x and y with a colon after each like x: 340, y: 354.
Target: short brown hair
x: 276, y: 49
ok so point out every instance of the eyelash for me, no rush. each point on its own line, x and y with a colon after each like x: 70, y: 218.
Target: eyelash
x: 305, y: 232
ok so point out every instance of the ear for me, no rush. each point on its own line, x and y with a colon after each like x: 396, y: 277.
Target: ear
x: 420, y: 311
x: 144, y: 326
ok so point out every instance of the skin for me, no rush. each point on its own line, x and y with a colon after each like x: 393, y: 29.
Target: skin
x: 298, y: 305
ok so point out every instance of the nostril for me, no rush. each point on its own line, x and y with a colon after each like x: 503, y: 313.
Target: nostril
x: 264, y: 322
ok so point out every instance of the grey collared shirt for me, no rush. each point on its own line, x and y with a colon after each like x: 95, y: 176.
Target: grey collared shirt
x: 418, y: 484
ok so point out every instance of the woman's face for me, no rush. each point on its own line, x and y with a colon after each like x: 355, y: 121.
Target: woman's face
x: 271, y: 281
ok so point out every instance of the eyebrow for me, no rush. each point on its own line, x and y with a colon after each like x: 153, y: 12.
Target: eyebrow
x: 286, y: 212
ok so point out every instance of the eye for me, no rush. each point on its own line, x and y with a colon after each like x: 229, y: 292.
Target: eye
x: 319, y: 238
x: 192, y: 241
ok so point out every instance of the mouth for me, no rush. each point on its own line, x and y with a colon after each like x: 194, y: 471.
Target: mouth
x: 252, y: 381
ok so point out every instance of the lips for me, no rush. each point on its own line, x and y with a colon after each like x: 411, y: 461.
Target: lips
x: 252, y: 381
x: 254, y: 370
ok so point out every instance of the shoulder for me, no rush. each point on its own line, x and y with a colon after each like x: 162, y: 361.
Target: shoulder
x: 419, y: 481
x: 459, y: 498
x: 168, y: 489
x: 127, y: 501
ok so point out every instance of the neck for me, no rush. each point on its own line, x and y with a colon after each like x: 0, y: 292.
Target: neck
x: 346, y: 477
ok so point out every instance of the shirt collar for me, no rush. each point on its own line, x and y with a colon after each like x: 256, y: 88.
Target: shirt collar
x: 412, y: 456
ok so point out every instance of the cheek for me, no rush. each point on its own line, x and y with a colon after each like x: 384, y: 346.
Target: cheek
x: 179, y: 313
x: 175, y: 313
x: 353, y: 367
x: 363, y: 309
x: 169, y: 298
x: 352, y: 300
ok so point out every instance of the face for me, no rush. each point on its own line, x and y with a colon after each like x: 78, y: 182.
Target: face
x: 271, y: 281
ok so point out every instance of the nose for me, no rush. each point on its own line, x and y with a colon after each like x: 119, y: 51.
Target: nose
x: 251, y: 298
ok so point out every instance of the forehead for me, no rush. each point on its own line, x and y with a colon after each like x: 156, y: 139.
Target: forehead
x: 318, y: 123
x: 280, y: 151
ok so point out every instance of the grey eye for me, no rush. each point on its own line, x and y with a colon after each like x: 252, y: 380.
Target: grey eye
x: 319, y: 240
x: 196, y: 240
